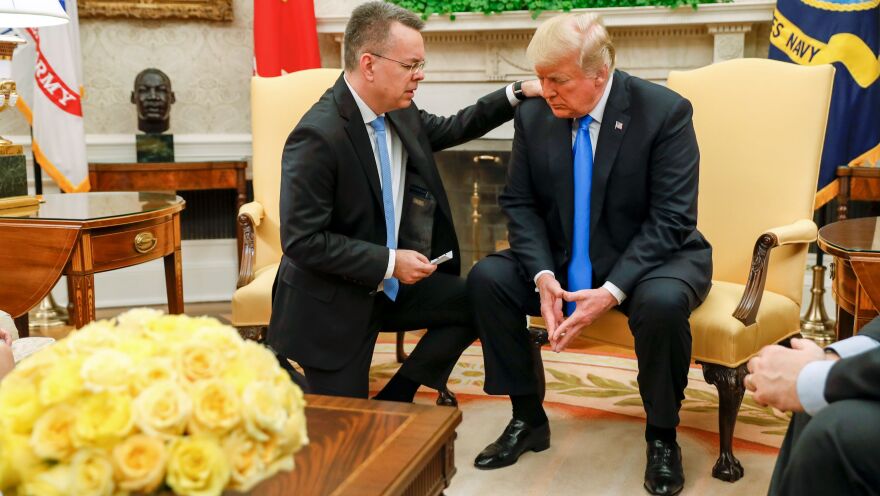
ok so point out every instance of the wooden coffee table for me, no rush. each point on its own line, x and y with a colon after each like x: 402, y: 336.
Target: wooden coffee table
x: 364, y: 447
x: 81, y: 234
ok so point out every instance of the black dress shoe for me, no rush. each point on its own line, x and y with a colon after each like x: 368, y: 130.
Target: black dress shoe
x: 446, y: 397
x: 516, y: 439
x: 664, y: 474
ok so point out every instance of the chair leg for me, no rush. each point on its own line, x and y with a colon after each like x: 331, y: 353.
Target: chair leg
x: 254, y: 333
x: 401, y: 355
x: 729, y: 383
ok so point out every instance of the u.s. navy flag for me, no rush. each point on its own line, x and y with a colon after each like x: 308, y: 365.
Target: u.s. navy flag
x: 845, y: 33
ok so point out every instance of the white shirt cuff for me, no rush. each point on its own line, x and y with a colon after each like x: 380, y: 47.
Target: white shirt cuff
x: 811, y: 385
x: 539, y: 274
x: 392, y: 256
x: 615, y: 291
x: 514, y: 101
x: 854, y: 346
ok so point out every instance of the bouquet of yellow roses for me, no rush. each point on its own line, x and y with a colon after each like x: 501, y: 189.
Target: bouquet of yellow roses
x: 147, y: 403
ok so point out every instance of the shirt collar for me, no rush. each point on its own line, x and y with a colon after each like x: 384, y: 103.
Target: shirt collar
x: 598, y: 111
x: 366, y: 112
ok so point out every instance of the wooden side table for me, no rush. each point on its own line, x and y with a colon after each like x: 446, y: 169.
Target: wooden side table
x: 81, y: 234
x: 855, y: 275
x: 369, y: 448
x: 856, y: 183
x: 166, y: 176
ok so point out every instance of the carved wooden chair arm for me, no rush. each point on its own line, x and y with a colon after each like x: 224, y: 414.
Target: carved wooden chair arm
x: 802, y: 231
x: 249, y: 217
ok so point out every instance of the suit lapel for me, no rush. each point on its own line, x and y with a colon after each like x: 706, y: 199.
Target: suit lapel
x: 419, y: 158
x: 615, y: 122
x: 561, y: 165
x: 357, y: 133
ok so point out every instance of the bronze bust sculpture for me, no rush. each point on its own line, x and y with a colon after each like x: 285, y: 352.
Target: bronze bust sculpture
x: 153, y: 97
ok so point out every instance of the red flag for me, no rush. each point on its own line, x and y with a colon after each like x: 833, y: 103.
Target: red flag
x: 285, y: 37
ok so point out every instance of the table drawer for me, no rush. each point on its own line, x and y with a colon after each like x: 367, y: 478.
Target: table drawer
x: 132, y: 246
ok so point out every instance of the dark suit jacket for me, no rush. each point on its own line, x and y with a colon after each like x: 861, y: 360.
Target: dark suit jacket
x: 333, y: 224
x: 643, y: 207
x: 857, y: 377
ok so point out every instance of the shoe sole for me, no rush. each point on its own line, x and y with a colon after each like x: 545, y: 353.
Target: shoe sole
x: 673, y: 494
x: 536, y: 449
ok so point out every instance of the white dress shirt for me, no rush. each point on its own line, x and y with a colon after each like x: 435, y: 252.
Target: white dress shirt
x: 398, y: 157
x: 811, y: 380
x: 598, y: 113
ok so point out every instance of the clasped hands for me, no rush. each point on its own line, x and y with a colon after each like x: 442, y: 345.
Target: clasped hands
x: 590, y: 304
x: 773, y: 373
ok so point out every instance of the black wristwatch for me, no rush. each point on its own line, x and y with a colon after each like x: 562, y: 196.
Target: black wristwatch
x: 518, y: 91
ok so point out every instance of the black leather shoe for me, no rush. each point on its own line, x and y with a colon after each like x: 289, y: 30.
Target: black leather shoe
x: 446, y: 397
x: 516, y: 439
x: 664, y: 474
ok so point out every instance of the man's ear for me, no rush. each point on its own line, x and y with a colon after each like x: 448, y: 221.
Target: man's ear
x: 602, y: 75
x: 171, y: 97
x: 366, y: 65
x: 133, y: 100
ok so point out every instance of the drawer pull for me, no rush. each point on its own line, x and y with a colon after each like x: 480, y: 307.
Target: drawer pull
x: 145, y: 242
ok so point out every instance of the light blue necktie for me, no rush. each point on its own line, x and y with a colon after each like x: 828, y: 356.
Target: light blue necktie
x: 390, y: 285
x: 580, y: 269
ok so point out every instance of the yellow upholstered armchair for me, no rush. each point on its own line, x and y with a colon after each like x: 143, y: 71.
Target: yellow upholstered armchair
x: 277, y: 105
x: 760, y: 125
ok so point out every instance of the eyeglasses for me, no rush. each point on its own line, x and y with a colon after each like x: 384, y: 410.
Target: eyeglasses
x: 412, y: 68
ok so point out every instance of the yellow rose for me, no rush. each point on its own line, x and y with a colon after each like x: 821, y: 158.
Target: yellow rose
x: 224, y: 339
x: 216, y: 407
x: 140, y: 463
x: 19, y: 404
x: 196, y: 467
x: 169, y: 328
x: 61, y: 383
x: 36, y: 366
x: 246, y: 463
x: 274, y: 458
x: 102, y: 419
x: 18, y: 461
x: 94, y: 337
x: 53, y: 482
x: 263, y: 410
x: 107, y: 370
x: 138, y: 319
x: 91, y: 473
x: 294, y: 435
x: 136, y: 346
x: 162, y: 410
x: 197, y: 361
x: 51, y: 438
x: 153, y: 370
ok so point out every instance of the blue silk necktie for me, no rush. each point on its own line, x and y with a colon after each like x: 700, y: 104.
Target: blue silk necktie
x: 390, y: 285
x: 580, y: 269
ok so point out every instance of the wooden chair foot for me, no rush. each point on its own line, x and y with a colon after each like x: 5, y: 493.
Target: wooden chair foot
x: 254, y: 333
x: 729, y: 382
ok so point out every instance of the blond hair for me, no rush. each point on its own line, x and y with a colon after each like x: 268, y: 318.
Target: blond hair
x: 583, y: 35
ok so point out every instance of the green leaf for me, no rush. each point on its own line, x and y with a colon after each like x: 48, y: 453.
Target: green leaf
x: 602, y: 382
x: 702, y: 395
x: 597, y: 393
x: 700, y: 409
x: 567, y: 378
x: 763, y: 422
x: 472, y: 373
x: 779, y: 432
x: 630, y: 402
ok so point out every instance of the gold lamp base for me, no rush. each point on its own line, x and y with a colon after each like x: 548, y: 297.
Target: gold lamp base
x: 815, y: 324
x: 48, y: 314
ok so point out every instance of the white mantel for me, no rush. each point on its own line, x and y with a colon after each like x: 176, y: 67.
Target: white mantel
x: 471, y: 55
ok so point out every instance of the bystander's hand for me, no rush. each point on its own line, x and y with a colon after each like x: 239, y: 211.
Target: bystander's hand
x: 411, y: 266
x: 590, y: 305
x: 5, y: 337
x: 532, y: 88
x: 774, y: 372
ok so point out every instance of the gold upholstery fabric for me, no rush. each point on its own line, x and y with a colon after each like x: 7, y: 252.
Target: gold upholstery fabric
x: 277, y: 104
x: 760, y: 126
x: 252, y: 304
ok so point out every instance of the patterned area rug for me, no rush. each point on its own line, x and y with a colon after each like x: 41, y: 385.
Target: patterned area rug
x: 597, y: 422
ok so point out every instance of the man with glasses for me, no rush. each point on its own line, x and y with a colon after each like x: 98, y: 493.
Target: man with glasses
x: 363, y: 211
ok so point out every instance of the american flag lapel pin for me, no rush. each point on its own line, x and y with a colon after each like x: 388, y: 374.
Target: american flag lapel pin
x: 618, y: 126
